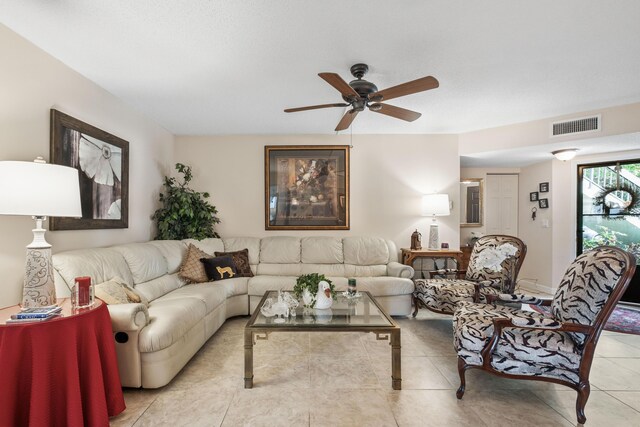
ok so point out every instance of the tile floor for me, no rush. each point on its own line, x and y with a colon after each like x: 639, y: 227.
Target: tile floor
x: 335, y: 379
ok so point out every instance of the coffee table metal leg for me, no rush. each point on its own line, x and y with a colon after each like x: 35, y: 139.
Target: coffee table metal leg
x: 248, y: 358
x: 396, y: 370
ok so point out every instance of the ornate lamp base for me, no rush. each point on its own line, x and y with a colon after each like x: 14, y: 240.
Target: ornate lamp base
x: 39, y: 289
x: 434, y: 239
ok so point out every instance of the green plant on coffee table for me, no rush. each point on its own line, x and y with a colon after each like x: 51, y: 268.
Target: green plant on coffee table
x: 310, y: 282
x: 185, y: 214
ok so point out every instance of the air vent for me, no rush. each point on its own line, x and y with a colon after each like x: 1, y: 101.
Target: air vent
x: 571, y: 127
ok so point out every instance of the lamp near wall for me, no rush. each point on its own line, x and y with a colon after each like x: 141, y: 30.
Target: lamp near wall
x: 39, y: 189
x: 435, y: 205
x: 565, y: 154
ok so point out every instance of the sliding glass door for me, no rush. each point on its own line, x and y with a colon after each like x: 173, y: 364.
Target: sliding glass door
x: 609, y: 211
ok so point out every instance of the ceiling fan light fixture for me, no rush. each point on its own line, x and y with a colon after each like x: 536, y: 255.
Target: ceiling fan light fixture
x: 375, y: 107
x: 565, y: 154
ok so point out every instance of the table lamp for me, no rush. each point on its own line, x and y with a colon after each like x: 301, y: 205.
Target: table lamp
x: 435, y: 205
x: 39, y: 189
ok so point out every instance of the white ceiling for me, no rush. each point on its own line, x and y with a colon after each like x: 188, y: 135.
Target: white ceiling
x: 231, y: 67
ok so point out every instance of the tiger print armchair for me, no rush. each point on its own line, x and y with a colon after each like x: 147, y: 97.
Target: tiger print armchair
x: 556, y: 347
x: 442, y: 294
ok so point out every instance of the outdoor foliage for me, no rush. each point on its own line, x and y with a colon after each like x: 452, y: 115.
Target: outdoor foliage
x: 609, y: 237
x: 186, y: 214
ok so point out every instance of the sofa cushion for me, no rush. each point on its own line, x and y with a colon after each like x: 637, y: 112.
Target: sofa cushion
x: 100, y: 264
x: 209, y: 245
x: 192, y: 270
x: 145, y: 261
x: 219, y: 268
x: 326, y: 269
x: 280, y: 250
x: 385, y: 286
x: 365, y: 251
x: 210, y: 294
x: 279, y: 269
x: 169, y: 320
x: 322, y: 250
x: 241, y: 261
x: 239, y: 243
x: 173, y: 251
x: 351, y: 270
x: 156, y: 288
x: 235, y: 286
x: 258, y: 285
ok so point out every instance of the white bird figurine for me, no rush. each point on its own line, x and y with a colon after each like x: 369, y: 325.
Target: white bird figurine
x: 323, y: 298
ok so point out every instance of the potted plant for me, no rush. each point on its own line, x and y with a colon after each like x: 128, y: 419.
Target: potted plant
x: 306, y: 287
x: 185, y: 214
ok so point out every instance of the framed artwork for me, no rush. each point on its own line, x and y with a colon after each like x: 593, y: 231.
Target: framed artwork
x: 544, y: 187
x: 102, y: 160
x: 533, y: 196
x: 306, y: 187
x: 543, y: 203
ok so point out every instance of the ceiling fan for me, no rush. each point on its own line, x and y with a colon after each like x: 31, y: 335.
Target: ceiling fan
x: 361, y: 94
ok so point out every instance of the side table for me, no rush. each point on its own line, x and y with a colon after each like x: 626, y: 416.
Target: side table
x: 61, y: 371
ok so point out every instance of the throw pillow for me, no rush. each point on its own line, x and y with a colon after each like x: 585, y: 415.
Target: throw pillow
x: 135, y: 296
x: 192, y: 269
x: 218, y: 268
x: 112, y: 292
x: 241, y: 260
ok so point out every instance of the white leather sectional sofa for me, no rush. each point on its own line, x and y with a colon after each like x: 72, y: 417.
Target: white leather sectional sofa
x: 154, y: 343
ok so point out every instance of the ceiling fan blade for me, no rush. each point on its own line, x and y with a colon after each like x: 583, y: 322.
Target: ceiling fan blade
x: 314, y: 107
x: 397, y: 112
x: 408, y: 88
x: 343, y: 87
x: 346, y: 120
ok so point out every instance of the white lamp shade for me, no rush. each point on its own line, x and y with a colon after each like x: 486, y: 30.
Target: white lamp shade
x: 435, y: 205
x: 39, y: 189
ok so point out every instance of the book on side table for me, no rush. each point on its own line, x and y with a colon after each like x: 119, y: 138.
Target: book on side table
x: 36, y: 314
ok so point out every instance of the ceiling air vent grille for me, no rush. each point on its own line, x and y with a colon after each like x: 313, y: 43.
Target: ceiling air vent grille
x: 570, y: 127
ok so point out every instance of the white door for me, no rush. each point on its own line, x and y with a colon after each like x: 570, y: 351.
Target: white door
x: 502, y: 204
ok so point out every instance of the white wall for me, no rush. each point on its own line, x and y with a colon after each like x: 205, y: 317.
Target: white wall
x: 389, y: 174
x: 32, y: 82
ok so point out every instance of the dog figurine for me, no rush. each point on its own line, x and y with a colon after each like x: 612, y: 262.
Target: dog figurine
x: 225, y: 270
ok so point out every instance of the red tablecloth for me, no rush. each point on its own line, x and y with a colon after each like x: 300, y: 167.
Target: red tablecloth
x: 61, y: 372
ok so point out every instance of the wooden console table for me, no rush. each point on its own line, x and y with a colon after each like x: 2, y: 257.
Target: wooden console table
x: 410, y: 255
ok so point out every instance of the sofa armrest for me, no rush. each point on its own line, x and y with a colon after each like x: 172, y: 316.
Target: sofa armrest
x: 395, y: 269
x: 128, y: 317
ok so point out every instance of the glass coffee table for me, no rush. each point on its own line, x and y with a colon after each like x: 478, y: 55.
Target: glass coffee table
x: 361, y: 314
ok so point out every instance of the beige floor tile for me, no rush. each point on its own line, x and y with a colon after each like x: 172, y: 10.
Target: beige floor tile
x: 629, y: 363
x: 629, y: 339
x: 283, y: 343
x: 281, y: 372
x: 607, y: 375
x: 601, y: 409
x: 431, y: 408
x: 268, y: 407
x: 611, y: 346
x: 343, y: 344
x: 418, y: 373
x: 137, y: 401
x: 631, y: 398
x: 350, y: 408
x: 342, y: 372
x: 204, y: 404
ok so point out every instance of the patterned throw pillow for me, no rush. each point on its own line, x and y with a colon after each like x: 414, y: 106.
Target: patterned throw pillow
x: 192, y: 269
x: 241, y: 260
x: 116, y: 291
x: 218, y: 268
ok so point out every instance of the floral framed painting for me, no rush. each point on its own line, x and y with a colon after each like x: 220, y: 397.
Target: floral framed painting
x: 102, y: 160
x: 306, y: 187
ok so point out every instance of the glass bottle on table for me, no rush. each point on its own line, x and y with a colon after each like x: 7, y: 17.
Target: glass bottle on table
x: 82, y: 294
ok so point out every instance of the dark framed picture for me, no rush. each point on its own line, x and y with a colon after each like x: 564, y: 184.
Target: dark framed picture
x: 543, y: 203
x: 533, y: 196
x: 306, y: 187
x: 544, y: 187
x: 102, y: 160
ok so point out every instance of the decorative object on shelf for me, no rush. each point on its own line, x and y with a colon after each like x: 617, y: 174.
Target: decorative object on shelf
x: 534, y: 211
x: 444, y: 245
x: 435, y: 205
x: 533, y: 196
x: 619, y: 199
x: 307, y: 286
x: 352, y: 290
x: 306, y: 187
x: 185, y: 213
x: 39, y: 189
x: 278, y: 308
x: 544, y: 187
x: 324, y: 299
x: 493, y: 258
x: 543, y: 203
x: 416, y: 240
x: 102, y: 160
x: 565, y: 154
x: 471, y: 202
x: 82, y: 293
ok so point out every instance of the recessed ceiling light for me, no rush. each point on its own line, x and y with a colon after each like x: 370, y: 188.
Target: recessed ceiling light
x: 565, y: 154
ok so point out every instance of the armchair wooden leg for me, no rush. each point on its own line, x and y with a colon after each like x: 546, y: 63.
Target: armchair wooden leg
x: 581, y: 401
x: 415, y: 305
x: 462, y: 367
